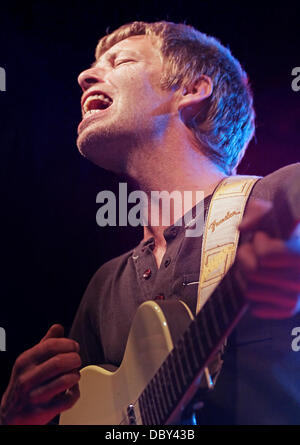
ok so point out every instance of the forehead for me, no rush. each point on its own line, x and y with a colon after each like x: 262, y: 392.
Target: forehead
x: 141, y: 45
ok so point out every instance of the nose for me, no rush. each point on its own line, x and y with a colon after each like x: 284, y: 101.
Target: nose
x: 89, y: 77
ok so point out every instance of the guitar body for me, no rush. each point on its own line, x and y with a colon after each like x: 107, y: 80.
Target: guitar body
x: 105, y: 395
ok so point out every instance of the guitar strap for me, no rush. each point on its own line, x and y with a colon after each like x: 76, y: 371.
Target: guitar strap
x: 220, y: 242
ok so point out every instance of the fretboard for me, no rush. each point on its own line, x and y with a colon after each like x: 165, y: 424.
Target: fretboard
x: 193, y: 351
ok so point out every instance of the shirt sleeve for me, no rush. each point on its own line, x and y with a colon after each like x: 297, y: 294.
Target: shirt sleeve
x: 85, y: 329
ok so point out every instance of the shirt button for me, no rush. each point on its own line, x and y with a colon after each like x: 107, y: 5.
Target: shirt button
x: 174, y: 231
x: 167, y: 262
x: 159, y: 297
x: 147, y: 274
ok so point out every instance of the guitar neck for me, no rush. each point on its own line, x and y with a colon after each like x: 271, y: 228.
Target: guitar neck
x: 194, y: 350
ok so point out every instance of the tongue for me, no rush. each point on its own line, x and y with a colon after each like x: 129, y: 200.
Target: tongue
x: 98, y: 104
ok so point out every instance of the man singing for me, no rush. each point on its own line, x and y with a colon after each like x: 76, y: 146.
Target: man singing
x: 170, y: 108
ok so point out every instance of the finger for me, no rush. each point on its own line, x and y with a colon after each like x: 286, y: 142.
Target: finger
x: 44, y: 351
x: 267, y: 252
x: 274, y: 298
x: 65, y: 400
x: 45, y: 393
x: 55, y: 331
x: 60, y: 403
x: 264, y: 245
x: 250, y: 254
x: 282, y: 281
x: 40, y: 415
x: 52, y: 368
x: 287, y: 260
x: 277, y: 267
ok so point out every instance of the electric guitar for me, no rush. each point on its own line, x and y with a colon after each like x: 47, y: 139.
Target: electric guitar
x: 168, y: 349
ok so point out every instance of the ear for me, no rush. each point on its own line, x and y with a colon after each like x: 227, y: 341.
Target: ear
x: 192, y: 97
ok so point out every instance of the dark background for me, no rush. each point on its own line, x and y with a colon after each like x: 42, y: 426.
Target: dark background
x: 50, y: 243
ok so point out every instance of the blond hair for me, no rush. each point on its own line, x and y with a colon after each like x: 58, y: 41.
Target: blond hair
x: 225, y: 125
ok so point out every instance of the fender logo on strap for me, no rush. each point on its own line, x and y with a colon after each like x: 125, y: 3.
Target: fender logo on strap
x: 221, y: 234
x: 215, y: 223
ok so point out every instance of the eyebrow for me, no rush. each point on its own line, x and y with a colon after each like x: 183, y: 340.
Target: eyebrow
x: 115, y: 54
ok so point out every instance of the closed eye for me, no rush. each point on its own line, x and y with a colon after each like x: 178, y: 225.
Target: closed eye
x: 121, y: 61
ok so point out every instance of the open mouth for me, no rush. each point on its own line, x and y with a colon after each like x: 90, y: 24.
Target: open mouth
x: 96, y: 103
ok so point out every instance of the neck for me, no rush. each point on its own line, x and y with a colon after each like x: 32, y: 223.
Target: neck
x: 172, y: 167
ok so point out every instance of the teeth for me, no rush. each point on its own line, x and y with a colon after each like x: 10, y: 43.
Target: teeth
x: 91, y: 112
x: 101, y: 97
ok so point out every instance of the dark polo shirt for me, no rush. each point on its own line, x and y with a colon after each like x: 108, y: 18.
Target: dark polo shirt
x: 260, y: 378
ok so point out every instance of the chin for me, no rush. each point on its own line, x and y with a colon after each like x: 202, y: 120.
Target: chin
x: 99, y: 154
x: 108, y: 147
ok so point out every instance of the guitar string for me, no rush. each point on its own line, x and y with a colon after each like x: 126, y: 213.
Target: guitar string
x: 138, y: 417
x: 134, y: 405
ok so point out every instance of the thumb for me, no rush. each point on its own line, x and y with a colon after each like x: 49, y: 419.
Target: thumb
x: 55, y: 331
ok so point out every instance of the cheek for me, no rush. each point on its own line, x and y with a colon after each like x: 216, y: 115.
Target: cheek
x: 141, y: 94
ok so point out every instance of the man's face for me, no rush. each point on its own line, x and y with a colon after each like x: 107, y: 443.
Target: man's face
x: 123, y: 105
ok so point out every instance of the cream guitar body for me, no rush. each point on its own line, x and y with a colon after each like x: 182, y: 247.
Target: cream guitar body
x: 111, y: 397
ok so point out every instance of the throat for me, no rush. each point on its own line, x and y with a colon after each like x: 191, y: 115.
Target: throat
x: 158, y: 253
x: 159, y: 243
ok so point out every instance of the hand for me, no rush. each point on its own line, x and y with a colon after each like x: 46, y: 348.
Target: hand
x: 44, y: 381
x: 272, y: 268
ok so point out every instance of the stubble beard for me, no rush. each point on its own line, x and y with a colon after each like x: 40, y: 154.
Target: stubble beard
x: 109, y: 147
